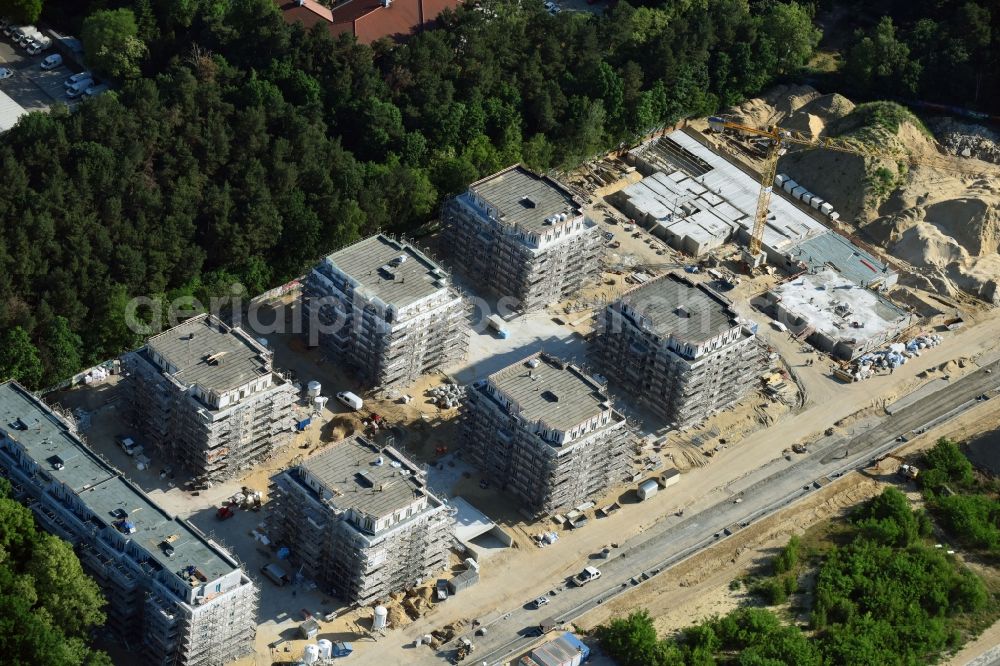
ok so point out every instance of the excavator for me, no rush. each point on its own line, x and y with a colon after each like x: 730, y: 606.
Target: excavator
x: 780, y: 139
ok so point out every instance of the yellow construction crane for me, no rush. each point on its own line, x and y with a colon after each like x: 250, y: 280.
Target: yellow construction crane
x: 779, y: 137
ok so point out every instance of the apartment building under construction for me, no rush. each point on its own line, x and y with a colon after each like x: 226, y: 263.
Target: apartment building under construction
x: 174, y: 596
x: 522, y: 235
x: 546, y: 431
x: 386, y: 310
x: 206, y: 397
x: 359, y: 521
x: 678, y: 347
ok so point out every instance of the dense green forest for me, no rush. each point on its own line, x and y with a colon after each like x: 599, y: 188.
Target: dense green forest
x: 48, y: 606
x: 966, y: 504
x: 236, y: 148
x: 876, y: 591
x: 943, y: 51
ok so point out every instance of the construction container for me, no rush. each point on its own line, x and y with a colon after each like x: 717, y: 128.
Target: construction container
x: 807, y: 198
x: 789, y: 185
x: 826, y: 208
x: 798, y: 191
x: 816, y: 202
x: 464, y: 580
x: 647, y: 489
x: 779, y: 179
x: 669, y: 478
x: 308, y: 629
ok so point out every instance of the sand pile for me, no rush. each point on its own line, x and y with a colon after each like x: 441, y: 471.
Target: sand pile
x: 941, y: 223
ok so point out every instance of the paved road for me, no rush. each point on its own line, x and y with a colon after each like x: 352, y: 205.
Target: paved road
x: 767, y: 490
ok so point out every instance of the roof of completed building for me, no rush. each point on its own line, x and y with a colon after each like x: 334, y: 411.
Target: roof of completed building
x: 525, y: 199
x: 367, y: 20
x: 369, y: 263
x: 62, y: 455
x: 558, y: 394
x: 206, y: 352
x: 351, y: 471
x: 675, y: 306
x: 10, y: 112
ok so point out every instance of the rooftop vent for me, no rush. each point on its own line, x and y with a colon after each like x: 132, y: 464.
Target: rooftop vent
x: 57, y: 462
x: 683, y: 313
x: 528, y: 202
x: 398, y: 261
x: 550, y: 396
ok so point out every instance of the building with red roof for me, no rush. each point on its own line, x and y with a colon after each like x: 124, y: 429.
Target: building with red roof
x: 367, y: 20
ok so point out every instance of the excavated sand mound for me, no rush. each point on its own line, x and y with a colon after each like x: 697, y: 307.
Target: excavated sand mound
x: 943, y: 223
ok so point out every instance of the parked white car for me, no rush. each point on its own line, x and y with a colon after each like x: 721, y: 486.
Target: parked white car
x: 51, y: 61
x: 96, y: 89
x: 79, y: 76
x: 5, y: 73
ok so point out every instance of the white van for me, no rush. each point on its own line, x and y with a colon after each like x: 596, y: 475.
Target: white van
x: 76, y: 89
x: 351, y: 400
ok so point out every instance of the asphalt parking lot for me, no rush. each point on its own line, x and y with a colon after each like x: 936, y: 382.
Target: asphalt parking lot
x: 31, y: 87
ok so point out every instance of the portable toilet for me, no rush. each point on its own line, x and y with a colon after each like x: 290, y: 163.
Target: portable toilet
x: 343, y: 649
x: 325, y: 648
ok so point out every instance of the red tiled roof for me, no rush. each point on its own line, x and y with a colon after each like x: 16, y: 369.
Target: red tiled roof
x: 368, y: 20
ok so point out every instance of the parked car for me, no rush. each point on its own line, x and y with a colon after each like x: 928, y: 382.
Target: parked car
x: 540, y: 601
x: 129, y: 445
x: 5, y: 73
x: 96, y: 89
x: 587, y: 575
x: 51, y: 61
x: 10, y: 28
x: 36, y: 46
x: 79, y: 76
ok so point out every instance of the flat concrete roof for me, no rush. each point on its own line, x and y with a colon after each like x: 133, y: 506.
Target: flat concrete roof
x: 524, y: 199
x: 674, y: 306
x: 10, y: 112
x: 832, y: 303
x: 349, y: 470
x: 833, y: 250
x: 470, y: 522
x: 102, y: 489
x: 367, y: 261
x: 786, y: 224
x: 558, y: 394
x: 206, y: 352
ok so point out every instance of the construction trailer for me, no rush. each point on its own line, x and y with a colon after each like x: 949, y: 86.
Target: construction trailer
x: 524, y: 236
x: 359, y: 521
x: 386, y: 310
x: 174, y: 596
x: 546, y: 431
x: 206, y: 396
x: 679, y: 348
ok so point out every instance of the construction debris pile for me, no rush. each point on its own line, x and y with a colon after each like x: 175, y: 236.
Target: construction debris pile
x: 447, y: 396
x: 892, y: 357
x: 968, y: 140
